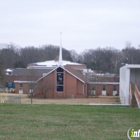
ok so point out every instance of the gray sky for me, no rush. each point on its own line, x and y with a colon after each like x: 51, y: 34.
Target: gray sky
x: 85, y: 23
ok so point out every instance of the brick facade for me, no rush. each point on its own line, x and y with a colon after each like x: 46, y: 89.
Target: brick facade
x: 73, y: 87
x: 109, y: 88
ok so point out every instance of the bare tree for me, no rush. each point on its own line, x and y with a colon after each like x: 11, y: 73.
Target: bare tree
x: 43, y: 86
x: 1, y: 73
x: 32, y: 82
x: 132, y: 53
x: 100, y: 59
x: 30, y: 54
x: 105, y: 59
x: 9, y: 55
x: 73, y: 55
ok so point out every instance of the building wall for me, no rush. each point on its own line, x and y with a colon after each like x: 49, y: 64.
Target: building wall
x: 48, y: 84
x: 50, y: 79
x: 128, y: 74
x: 108, y: 87
x: 109, y: 90
x: 118, y: 90
x: 16, y: 87
x: 72, y: 87
x: 80, y: 88
x: 135, y: 76
x: 124, y: 85
x: 98, y: 89
x: 25, y: 88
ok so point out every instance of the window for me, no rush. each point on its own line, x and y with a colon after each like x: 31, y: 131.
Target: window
x: 103, y: 87
x: 114, y: 88
x: 60, y: 70
x: 59, y: 80
x: 59, y: 88
x: 93, y: 88
x: 30, y: 88
x: 20, y: 86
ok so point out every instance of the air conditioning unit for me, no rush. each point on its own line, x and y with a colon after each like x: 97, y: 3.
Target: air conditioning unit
x: 72, y: 96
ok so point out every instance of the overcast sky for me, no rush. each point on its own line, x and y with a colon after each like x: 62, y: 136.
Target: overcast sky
x: 85, y: 23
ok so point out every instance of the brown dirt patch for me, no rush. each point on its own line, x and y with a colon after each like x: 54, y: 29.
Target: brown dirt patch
x: 76, y: 101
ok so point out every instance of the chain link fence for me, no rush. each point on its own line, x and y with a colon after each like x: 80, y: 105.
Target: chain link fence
x: 10, y: 99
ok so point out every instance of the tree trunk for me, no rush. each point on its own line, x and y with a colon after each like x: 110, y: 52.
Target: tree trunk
x: 31, y: 98
x: 45, y: 95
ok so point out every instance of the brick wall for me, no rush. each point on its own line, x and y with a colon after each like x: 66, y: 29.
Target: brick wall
x: 109, y: 90
x: 70, y: 85
x: 50, y: 87
x: 16, y: 87
x: 25, y: 87
x: 99, y: 87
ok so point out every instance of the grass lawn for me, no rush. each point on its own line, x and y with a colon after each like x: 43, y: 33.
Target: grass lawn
x: 66, y: 122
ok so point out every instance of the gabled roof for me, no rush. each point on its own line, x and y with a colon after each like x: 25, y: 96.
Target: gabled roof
x: 76, y: 74
x: 47, y: 74
x: 71, y: 71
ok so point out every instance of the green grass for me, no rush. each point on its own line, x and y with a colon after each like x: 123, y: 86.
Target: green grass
x: 66, y: 122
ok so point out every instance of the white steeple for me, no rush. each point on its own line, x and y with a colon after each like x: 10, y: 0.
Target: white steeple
x: 60, y: 62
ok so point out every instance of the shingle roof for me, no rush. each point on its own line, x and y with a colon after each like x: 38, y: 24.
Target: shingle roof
x: 76, y: 74
x: 30, y: 72
x: 70, y: 70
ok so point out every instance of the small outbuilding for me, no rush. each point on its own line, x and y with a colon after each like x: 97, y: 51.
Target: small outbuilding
x: 130, y: 84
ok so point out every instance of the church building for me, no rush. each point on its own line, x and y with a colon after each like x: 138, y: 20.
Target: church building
x: 60, y: 79
x: 50, y: 79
